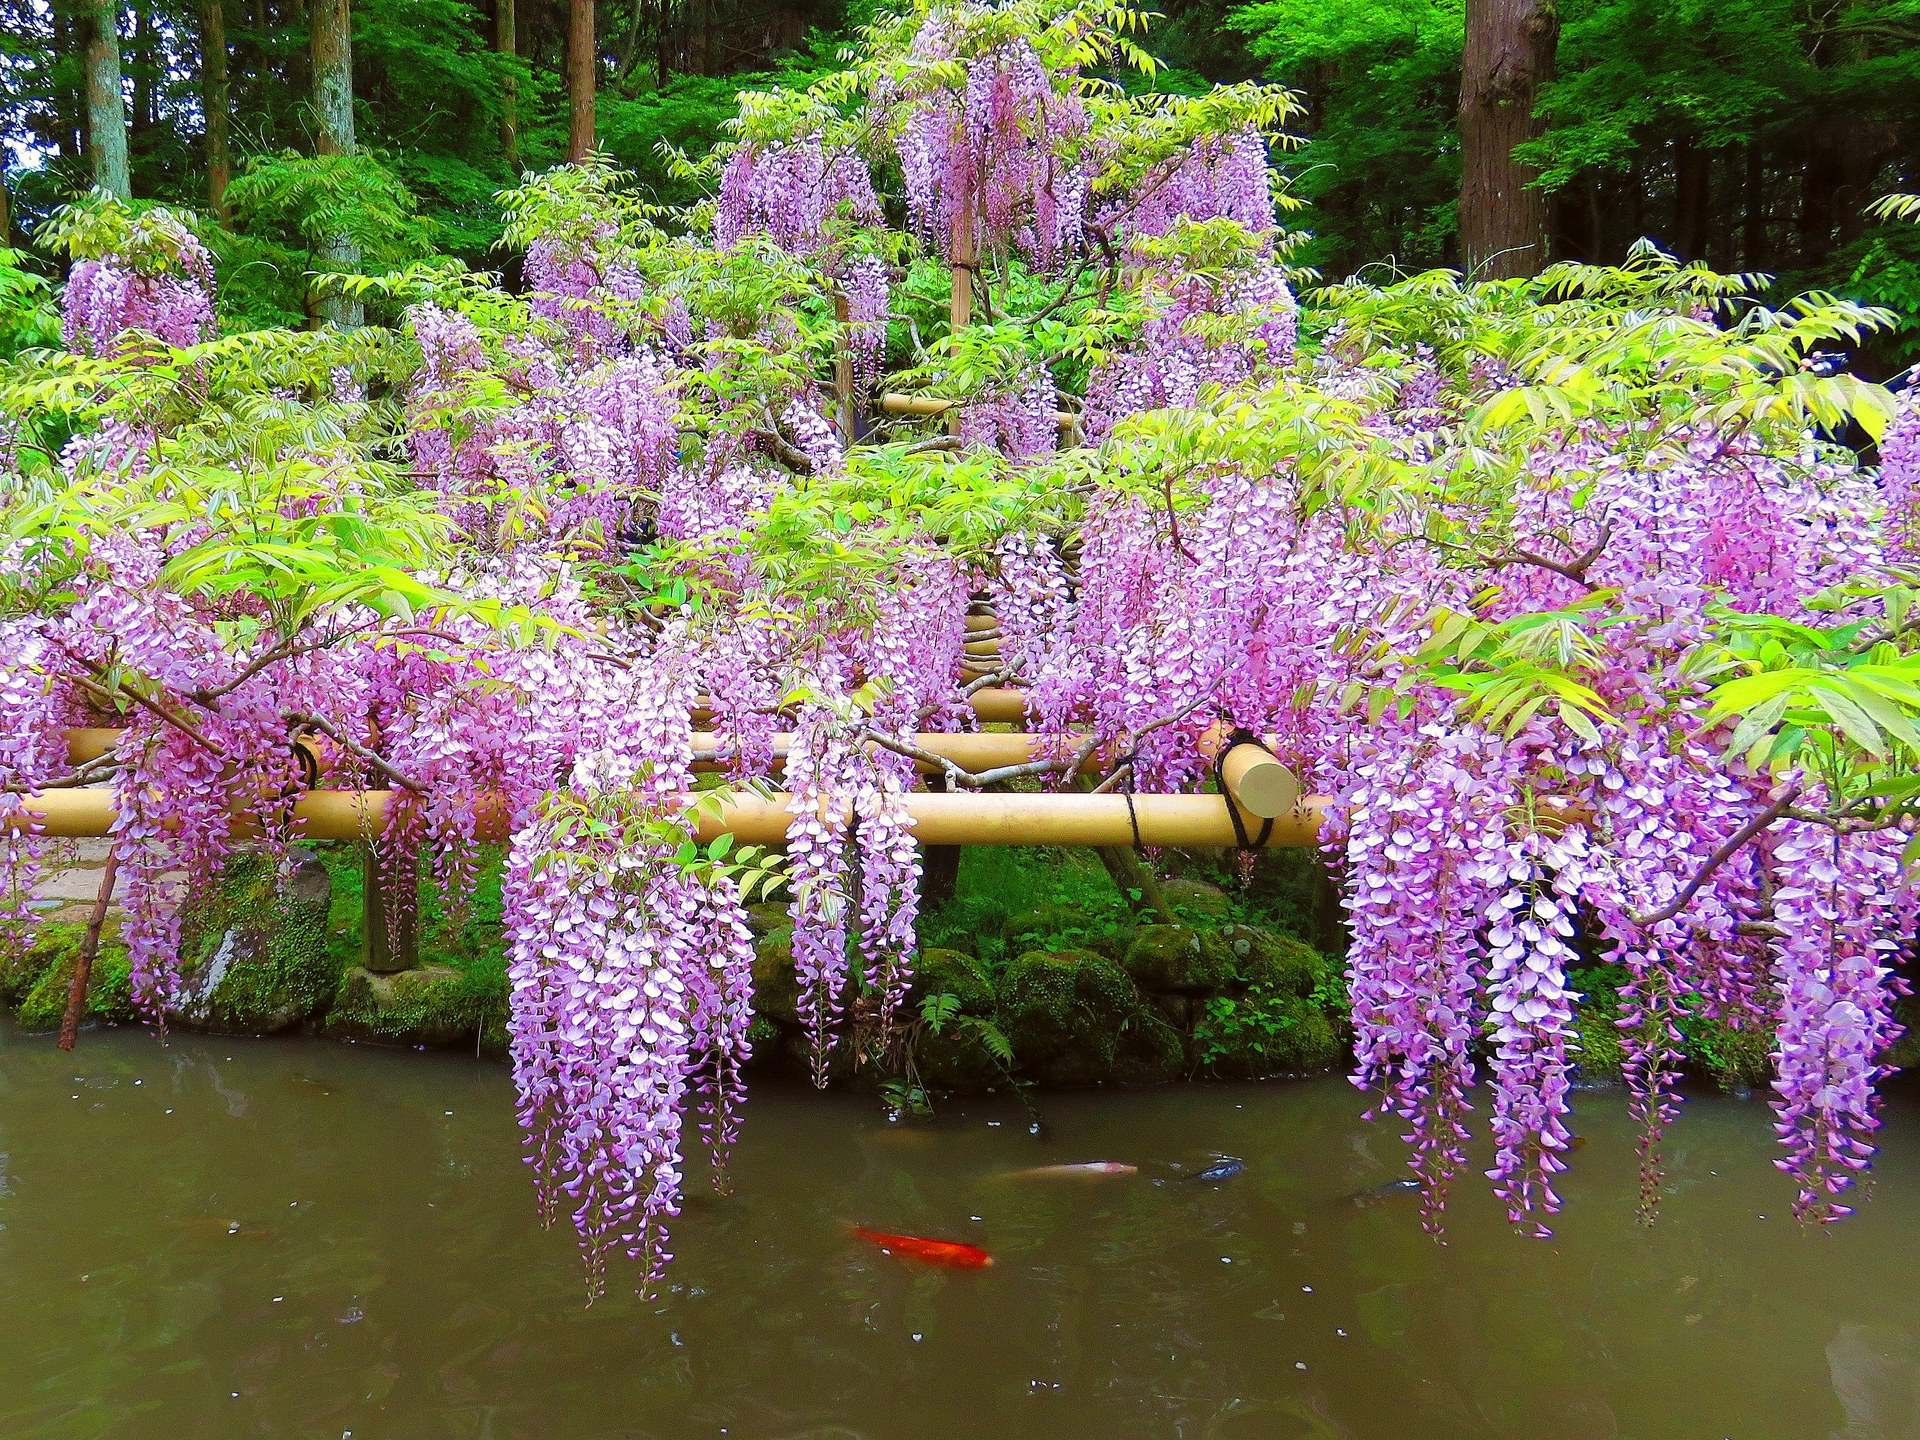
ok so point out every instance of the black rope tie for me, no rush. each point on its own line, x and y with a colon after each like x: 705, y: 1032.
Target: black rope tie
x: 1240, y: 736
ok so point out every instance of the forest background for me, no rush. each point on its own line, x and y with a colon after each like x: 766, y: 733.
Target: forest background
x: 1751, y: 136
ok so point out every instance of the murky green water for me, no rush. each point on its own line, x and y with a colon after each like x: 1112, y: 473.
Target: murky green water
x: 230, y: 1238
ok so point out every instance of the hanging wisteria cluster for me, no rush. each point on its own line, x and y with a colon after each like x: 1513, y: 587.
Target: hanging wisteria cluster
x: 1617, y: 671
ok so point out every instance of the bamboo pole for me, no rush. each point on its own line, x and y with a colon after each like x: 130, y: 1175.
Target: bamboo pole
x: 971, y: 750
x: 894, y: 403
x: 1259, y: 783
x: 951, y: 819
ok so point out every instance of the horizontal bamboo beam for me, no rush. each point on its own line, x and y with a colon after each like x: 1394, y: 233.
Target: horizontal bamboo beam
x: 1066, y: 819
x: 895, y: 403
x: 973, y: 751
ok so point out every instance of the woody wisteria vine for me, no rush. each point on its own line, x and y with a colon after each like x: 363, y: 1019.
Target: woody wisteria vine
x: 1561, y: 591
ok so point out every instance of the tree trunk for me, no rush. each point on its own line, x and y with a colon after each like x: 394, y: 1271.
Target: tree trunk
x: 1753, y: 225
x: 333, y: 113
x: 506, y: 41
x: 580, y: 80
x: 214, y: 101
x: 1508, y: 56
x: 83, y: 961
x: 106, y: 107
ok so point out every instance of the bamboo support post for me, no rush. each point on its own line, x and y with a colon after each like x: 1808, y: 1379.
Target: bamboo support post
x: 390, y: 932
x: 843, y: 369
x: 966, y: 256
x: 966, y: 818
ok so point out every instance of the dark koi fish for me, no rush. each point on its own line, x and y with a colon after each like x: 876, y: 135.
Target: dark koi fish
x: 950, y: 1254
x: 1225, y: 1168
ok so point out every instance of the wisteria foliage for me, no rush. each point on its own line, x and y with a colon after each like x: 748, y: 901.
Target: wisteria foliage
x: 1595, y: 642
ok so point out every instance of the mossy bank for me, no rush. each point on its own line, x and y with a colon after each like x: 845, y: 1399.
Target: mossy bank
x: 1036, y: 970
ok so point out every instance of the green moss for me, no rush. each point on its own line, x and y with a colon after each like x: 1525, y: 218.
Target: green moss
x: 429, y: 1005
x: 1074, y: 1018
x: 255, y: 955
x: 1265, y: 1032
x: 1282, y: 964
x: 951, y: 972
x: 1011, y: 898
x: 1182, y: 959
x: 109, y: 989
x: 1595, y: 1022
x: 1737, y: 1059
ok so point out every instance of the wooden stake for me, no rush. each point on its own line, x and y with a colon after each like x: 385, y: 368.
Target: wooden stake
x: 843, y: 369
x: 390, y: 923
x: 960, y: 309
x: 83, y: 962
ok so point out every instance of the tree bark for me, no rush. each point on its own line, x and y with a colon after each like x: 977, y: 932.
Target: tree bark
x: 214, y: 99
x: 580, y: 80
x: 333, y: 112
x: 1753, y: 225
x: 106, y: 106
x: 1508, y: 56
x: 506, y: 42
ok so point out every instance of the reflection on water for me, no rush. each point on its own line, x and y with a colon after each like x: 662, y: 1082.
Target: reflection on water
x: 231, y: 1238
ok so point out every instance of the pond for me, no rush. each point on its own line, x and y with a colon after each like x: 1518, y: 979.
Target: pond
x: 235, y: 1238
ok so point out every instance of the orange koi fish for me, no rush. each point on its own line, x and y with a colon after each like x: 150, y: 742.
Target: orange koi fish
x: 950, y: 1254
x: 1084, y: 1169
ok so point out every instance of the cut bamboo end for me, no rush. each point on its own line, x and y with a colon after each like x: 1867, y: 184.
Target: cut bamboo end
x: 937, y: 819
x: 1259, y: 783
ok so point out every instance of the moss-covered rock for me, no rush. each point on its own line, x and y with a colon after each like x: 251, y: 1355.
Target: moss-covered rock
x: 959, y: 1055
x: 256, y: 957
x: 1196, y: 897
x: 950, y: 972
x: 428, y: 1005
x: 1904, y: 1054
x: 771, y: 918
x: 1279, y: 963
x: 1181, y: 959
x: 47, y: 969
x: 1738, y: 1060
x: 776, y: 987
x: 1266, y: 1032
x: 1043, y: 926
x: 1074, y: 1018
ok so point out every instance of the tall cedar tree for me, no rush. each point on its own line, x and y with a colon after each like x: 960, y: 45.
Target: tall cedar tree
x: 332, y: 22
x: 106, y: 107
x: 1508, y: 57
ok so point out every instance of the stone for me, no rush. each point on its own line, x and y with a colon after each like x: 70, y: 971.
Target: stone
x: 949, y: 972
x: 1196, y: 897
x: 1279, y: 963
x: 1043, y: 926
x: 1267, y: 1034
x: 1180, y: 959
x: 769, y: 918
x: 255, y: 959
x: 427, y: 1005
x: 776, y: 987
x: 1074, y: 1018
x: 40, y: 980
